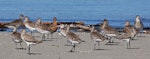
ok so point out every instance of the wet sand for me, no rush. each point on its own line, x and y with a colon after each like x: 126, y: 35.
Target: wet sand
x: 56, y: 49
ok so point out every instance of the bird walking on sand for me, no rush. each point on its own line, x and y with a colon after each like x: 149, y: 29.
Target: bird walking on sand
x: 96, y: 37
x: 138, y: 24
x: 73, y: 39
x: 16, y: 23
x: 29, y: 40
x: 29, y: 24
x: 16, y: 37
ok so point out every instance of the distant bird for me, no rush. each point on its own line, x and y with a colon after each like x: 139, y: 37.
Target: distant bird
x: 96, y: 37
x: 138, y: 24
x: 108, y: 31
x: 29, y: 25
x: 16, y: 37
x: 16, y: 23
x: 73, y: 39
x: 29, y: 40
x: 129, y: 29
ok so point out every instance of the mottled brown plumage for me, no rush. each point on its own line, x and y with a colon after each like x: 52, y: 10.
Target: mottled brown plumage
x: 96, y: 37
x: 29, y: 40
x: 73, y: 38
x: 29, y: 24
x: 129, y: 29
x: 16, y: 37
x: 16, y: 23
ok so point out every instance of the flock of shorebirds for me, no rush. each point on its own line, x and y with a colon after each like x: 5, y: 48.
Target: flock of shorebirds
x: 106, y: 32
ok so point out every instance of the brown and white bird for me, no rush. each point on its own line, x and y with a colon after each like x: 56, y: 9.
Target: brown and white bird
x: 96, y: 37
x: 16, y: 37
x: 73, y: 38
x: 129, y: 29
x: 126, y: 37
x: 29, y: 40
x: 108, y: 31
x: 41, y: 28
x: 29, y: 25
x: 16, y: 23
x: 46, y: 29
x: 138, y: 24
x: 129, y: 34
x: 62, y: 31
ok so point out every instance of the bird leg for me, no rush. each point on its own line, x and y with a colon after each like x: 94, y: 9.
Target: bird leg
x: 73, y: 47
x: 94, y: 45
x: 43, y: 37
x: 29, y: 49
x: 98, y: 45
x: 16, y: 45
x: 128, y: 43
x: 21, y: 45
x: 51, y: 35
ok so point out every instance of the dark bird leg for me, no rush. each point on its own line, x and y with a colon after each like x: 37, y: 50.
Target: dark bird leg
x: 73, y: 47
x: 21, y: 46
x: 16, y: 45
x: 29, y: 49
x: 94, y: 45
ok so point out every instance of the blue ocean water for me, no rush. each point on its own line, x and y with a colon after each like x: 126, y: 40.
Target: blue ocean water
x: 88, y: 11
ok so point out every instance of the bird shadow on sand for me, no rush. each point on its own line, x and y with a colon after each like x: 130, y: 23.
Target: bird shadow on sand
x: 20, y: 48
x: 113, y: 43
x: 133, y: 48
x: 68, y: 45
x: 47, y: 40
x: 141, y: 36
x: 34, y: 53
x: 54, y: 39
x: 135, y: 39
x: 99, y: 49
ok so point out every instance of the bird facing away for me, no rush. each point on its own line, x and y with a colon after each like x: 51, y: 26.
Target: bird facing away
x: 29, y: 24
x: 29, y: 40
x: 16, y: 23
x: 73, y: 39
x: 16, y: 37
x: 138, y: 24
x: 96, y: 37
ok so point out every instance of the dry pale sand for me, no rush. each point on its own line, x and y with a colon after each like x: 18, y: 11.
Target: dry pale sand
x: 56, y: 49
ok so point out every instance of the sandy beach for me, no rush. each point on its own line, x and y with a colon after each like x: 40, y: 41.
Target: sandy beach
x: 56, y: 49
